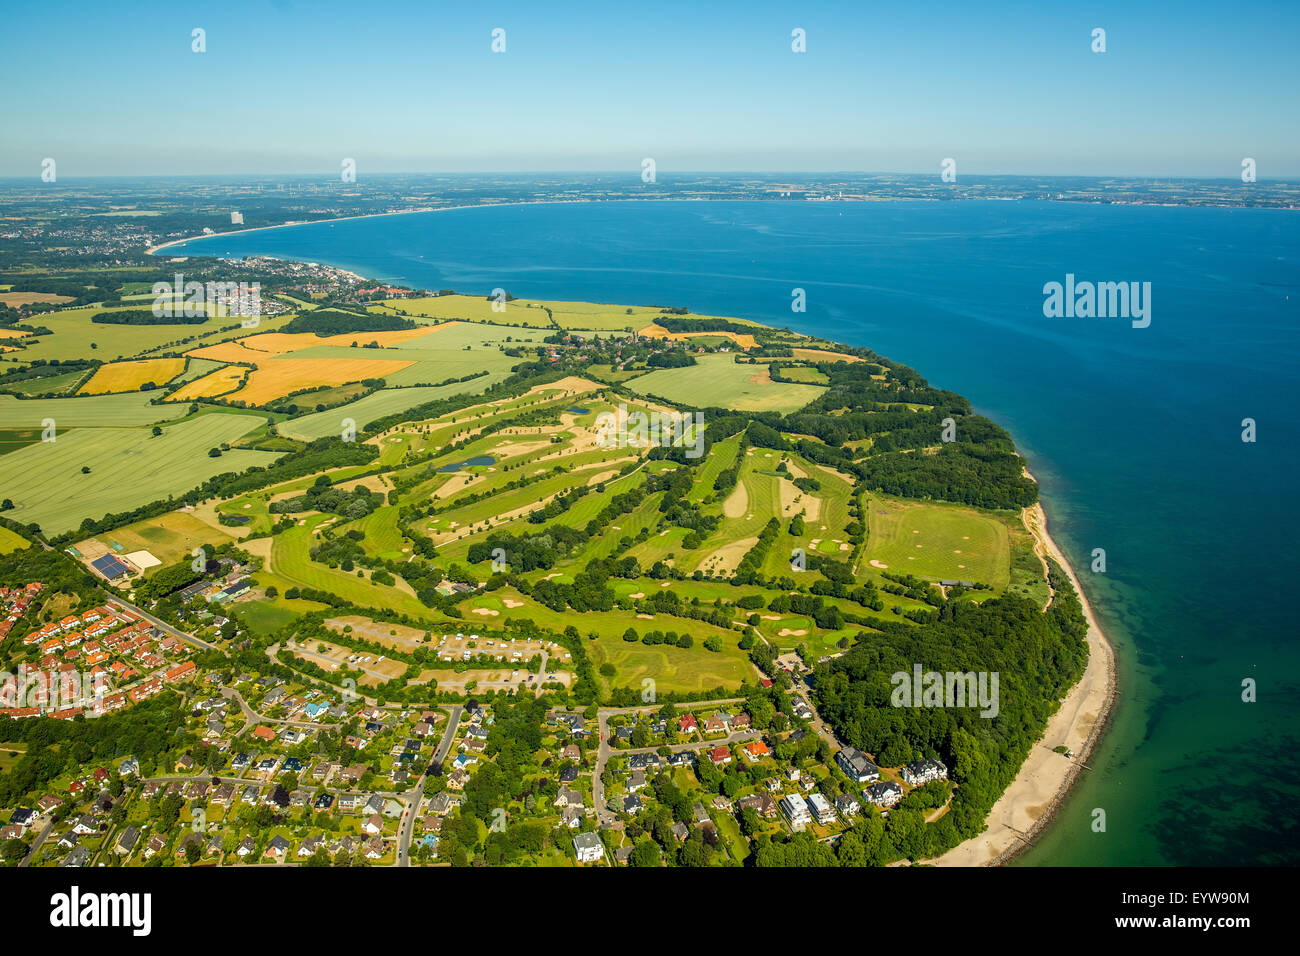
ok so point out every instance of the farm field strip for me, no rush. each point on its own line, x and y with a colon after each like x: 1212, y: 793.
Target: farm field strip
x: 48, y: 486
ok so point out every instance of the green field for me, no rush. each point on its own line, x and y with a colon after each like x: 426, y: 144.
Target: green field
x: 718, y: 381
x: 291, y: 561
x: 937, y: 541
x: 10, y: 541
x: 122, y: 410
x: 380, y: 404
x: 580, y: 316
x: 75, y: 336
x: 129, y: 467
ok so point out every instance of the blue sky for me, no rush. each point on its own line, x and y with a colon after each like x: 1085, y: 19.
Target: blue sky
x: 1184, y: 89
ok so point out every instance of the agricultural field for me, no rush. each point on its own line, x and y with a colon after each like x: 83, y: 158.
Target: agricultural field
x: 276, y: 378
x: 75, y: 336
x: 530, y: 313
x: 126, y: 410
x: 221, y: 381
x: 11, y: 541
x: 130, y: 376
x: 380, y: 404
x: 719, y: 381
x: 15, y: 299
x: 88, y: 472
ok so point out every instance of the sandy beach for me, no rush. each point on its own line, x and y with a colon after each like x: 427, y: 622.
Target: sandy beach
x: 1046, y: 777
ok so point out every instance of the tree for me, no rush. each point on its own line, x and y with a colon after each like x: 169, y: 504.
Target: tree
x: 646, y: 853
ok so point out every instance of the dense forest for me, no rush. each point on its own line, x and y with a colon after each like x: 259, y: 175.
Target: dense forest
x: 1038, y: 656
x: 325, y: 322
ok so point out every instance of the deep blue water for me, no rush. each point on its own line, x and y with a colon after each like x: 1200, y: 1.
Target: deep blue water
x: 1134, y: 434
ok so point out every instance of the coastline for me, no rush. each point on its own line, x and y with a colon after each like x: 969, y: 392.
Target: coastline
x: 1033, y: 798
x: 1045, y: 779
x: 154, y: 250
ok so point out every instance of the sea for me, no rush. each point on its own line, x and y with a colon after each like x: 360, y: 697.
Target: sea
x: 1133, y: 426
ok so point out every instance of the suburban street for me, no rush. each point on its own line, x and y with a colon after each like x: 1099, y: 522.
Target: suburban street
x: 163, y: 625
x: 416, y: 793
x: 603, y: 815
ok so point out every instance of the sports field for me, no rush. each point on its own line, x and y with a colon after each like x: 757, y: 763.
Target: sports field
x: 168, y: 537
x: 291, y: 561
x: 937, y: 541
x: 673, y: 669
x: 718, y: 381
x: 128, y: 467
x: 129, y: 376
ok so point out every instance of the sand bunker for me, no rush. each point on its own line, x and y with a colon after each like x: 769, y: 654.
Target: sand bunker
x: 486, y: 612
x: 737, y: 502
x: 879, y: 565
x: 786, y: 632
x: 728, y: 557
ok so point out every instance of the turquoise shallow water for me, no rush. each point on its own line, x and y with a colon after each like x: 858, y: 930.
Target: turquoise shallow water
x: 1133, y: 434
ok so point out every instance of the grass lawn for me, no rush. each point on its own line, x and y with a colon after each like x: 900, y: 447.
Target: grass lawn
x: 291, y: 561
x: 717, y: 380
x: 936, y: 541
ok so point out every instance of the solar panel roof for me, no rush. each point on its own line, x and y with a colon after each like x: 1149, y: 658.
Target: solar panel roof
x: 110, y: 567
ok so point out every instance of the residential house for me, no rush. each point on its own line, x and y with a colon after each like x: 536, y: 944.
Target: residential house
x: 821, y: 808
x: 588, y: 847
x: 923, y: 771
x: 857, y: 766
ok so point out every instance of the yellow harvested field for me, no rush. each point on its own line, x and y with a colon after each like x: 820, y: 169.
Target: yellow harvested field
x: 823, y: 355
x: 743, y: 339
x: 278, y: 343
x: 15, y: 299
x: 276, y: 378
x: 228, y: 352
x: 223, y: 380
x: 129, y: 376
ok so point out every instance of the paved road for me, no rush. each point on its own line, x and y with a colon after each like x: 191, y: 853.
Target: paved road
x: 416, y: 793
x: 31, y: 854
x: 163, y: 625
x: 253, y: 717
x: 603, y: 815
